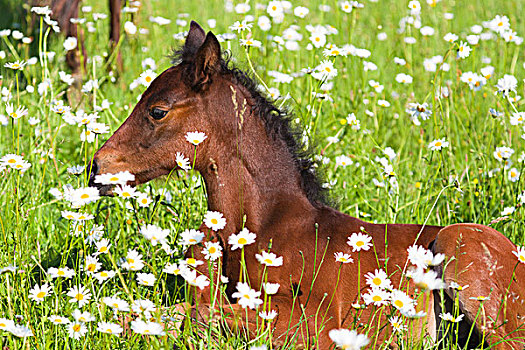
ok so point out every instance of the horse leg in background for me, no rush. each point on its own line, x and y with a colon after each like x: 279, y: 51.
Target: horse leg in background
x: 484, y: 266
x: 63, y: 11
x: 114, y: 33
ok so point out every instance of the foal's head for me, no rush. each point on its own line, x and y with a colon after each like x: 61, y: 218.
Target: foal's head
x: 197, y: 95
x: 184, y: 98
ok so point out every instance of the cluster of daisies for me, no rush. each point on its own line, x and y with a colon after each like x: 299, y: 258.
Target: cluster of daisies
x: 77, y: 324
x: 212, y: 251
x: 13, y: 161
x: 381, y: 291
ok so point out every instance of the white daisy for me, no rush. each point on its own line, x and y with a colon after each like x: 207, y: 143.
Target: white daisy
x: 214, y: 220
x: 195, y: 137
x: 238, y: 241
x: 359, y: 241
x: 269, y: 259
x: 247, y: 297
x: 348, y: 339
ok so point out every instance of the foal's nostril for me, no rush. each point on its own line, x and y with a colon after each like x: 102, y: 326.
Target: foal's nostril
x: 92, y: 171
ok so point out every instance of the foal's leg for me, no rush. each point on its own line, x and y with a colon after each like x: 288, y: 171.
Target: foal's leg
x: 484, y: 261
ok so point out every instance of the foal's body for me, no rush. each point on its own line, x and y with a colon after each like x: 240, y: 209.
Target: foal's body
x: 252, y: 170
x: 329, y: 300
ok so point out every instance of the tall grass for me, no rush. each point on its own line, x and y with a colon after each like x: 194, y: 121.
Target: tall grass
x: 463, y: 182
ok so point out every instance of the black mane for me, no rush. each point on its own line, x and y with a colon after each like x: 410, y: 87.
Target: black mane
x: 278, y: 125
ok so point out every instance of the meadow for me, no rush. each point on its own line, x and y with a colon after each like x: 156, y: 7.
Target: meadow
x: 413, y: 112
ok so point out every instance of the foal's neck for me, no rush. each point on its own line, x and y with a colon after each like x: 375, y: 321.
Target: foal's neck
x: 255, y: 180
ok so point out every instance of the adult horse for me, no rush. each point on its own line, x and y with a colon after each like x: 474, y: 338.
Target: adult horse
x: 256, y: 175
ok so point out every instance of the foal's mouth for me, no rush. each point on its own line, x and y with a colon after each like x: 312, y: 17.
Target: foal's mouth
x: 109, y: 190
x: 103, y: 190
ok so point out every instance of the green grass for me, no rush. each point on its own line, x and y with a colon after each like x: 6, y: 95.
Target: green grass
x: 453, y: 185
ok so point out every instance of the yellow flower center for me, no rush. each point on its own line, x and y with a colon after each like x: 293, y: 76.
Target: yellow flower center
x: 41, y: 295
x: 11, y: 161
x: 60, y: 273
x: 79, y: 297
x: 360, y: 243
x: 84, y: 196
x: 191, y: 261
x: 377, y: 298
x: 76, y: 327
x: 114, y: 178
x: 148, y: 79
x: 212, y: 250
x: 268, y: 261
x: 438, y: 144
x: 399, y: 303
x: 92, y: 267
x: 108, y: 330
x: 214, y: 221
x: 376, y: 281
x: 242, y: 240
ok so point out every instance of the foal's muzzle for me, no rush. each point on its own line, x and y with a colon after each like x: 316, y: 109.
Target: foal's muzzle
x: 92, y: 172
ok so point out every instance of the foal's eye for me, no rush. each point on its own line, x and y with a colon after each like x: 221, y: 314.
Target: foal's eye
x: 157, y: 113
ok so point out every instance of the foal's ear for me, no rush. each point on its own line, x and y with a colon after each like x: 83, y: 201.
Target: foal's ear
x: 194, y: 40
x: 207, y: 60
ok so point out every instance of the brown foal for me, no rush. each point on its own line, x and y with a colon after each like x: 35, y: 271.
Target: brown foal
x: 256, y: 176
